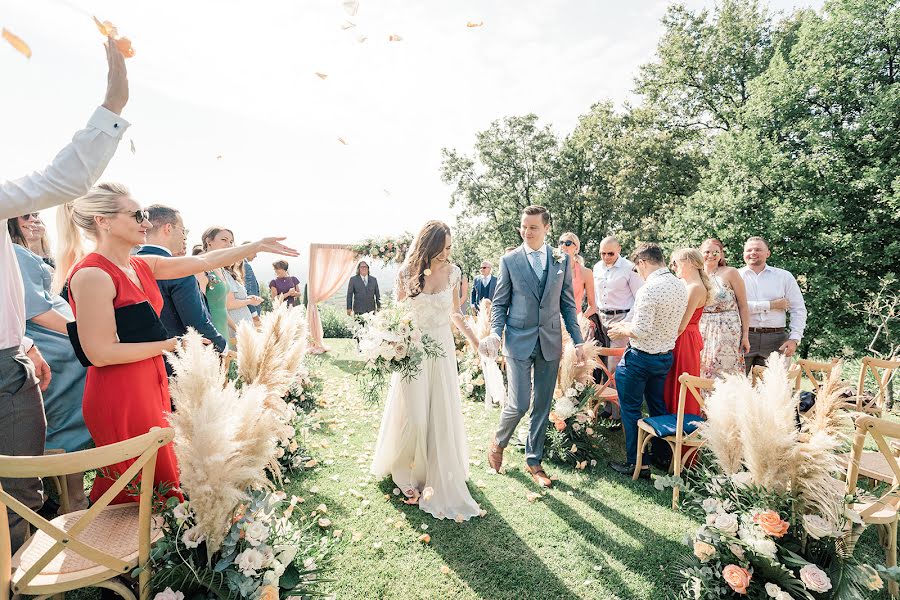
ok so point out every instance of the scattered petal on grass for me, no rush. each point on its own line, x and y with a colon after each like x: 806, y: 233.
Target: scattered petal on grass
x: 482, y: 512
x: 581, y: 465
x: 427, y: 493
x: 396, y: 491
x: 324, y: 522
x: 357, y: 535
x: 570, y: 493
x: 425, y: 538
x: 532, y: 496
x: 322, y: 508
x: 423, y: 527
x: 459, y: 519
x: 338, y: 533
x: 376, y: 545
x: 598, y: 567
x: 314, y: 490
x: 445, y: 569
x: 16, y: 42
x: 310, y: 463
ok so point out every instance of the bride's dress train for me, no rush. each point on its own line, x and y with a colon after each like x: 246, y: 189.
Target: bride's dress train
x: 422, y: 441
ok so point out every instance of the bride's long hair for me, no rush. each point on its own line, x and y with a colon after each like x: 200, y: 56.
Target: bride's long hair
x: 430, y: 242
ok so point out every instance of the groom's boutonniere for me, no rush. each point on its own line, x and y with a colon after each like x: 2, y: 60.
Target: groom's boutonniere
x: 558, y: 255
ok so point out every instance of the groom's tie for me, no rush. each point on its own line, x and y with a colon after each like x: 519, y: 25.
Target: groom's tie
x: 535, y: 257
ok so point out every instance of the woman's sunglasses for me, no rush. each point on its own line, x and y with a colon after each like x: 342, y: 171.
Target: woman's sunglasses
x: 139, y: 215
x: 566, y: 243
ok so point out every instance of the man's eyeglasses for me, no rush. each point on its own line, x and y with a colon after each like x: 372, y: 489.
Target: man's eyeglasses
x: 607, y: 254
x: 485, y: 267
x: 138, y: 215
x: 32, y: 217
x: 184, y: 230
x: 566, y: 243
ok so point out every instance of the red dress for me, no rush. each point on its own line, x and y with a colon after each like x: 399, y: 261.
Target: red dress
x: 685, y: 359
x: 124, y: 401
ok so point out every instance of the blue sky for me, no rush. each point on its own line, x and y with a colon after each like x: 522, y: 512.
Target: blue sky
x: 237, y: 80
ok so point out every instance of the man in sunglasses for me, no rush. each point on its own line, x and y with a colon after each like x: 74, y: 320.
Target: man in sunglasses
x: 615, y: 285
x: 484, y: 286
x: 24, y: 374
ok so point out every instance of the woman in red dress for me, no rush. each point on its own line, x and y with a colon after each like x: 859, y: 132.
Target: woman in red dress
x: 126, y: 392
x: 687, y: 263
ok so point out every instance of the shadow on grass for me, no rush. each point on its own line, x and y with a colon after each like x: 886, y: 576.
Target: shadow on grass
x: 488, y: 555
x: 634, y: 559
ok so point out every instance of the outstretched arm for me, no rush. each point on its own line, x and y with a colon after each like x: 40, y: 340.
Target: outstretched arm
x: 165, y: 267
x: 567, y: 304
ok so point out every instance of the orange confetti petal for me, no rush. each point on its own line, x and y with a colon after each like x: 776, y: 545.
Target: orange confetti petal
x: 321, y: 75
x: 474, y: 24
x: 17, y: 43
x: 124, y: 46
x: 106, y: 28
x: 445, y: 569
x: 425, y: 538
x: 394, y: 38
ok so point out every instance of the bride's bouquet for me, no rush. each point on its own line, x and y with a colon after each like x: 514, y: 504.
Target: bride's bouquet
x: 390, y: 343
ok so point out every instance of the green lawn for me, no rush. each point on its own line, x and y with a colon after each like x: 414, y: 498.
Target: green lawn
x: 595, y: 535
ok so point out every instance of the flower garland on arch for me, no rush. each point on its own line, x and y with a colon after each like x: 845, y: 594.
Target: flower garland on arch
x: 385, y: 249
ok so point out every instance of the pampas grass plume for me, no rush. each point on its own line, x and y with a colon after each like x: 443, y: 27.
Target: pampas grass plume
x: 722, y: 430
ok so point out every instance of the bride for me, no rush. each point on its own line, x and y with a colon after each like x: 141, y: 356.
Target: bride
x: 422, y: 441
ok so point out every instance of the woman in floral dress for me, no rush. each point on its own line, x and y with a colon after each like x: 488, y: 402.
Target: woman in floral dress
x: 725, y: 323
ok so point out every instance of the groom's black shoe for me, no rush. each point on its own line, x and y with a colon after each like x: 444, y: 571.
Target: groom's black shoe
x: 627, y: 469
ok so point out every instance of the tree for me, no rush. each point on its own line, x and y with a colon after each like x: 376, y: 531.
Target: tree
x: 816, y: 167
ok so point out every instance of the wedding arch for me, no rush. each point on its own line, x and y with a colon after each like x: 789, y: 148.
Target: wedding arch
x: 331, y: 265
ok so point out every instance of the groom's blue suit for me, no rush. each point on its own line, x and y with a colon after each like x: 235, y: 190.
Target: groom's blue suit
x: 527, y: 307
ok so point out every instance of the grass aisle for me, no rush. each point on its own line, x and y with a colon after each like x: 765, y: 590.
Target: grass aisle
x: 594, y: 535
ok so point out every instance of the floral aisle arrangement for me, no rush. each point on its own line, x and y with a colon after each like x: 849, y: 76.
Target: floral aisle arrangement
x: 775, y: 521
x: 264, y: 555
x: 229, y: 540
x: 571, y: 435
x: 391, y: 343
x: 388, y: 250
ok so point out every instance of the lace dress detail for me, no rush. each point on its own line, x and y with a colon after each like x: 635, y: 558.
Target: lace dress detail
x: 720, y: 327
x: 422, y: 441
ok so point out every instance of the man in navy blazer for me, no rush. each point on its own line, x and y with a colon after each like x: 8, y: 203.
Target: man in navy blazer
x: 484, y: 286
x: 183, y: 304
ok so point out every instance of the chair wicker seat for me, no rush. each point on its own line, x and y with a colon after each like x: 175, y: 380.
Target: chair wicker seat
x: 115, y: 530
x: 872, y: 465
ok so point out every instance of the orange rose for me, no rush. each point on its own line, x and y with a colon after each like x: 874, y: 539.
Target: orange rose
x: 737, y: 578
x: 269, y: 592
x: 771, y: 523
x: 560, y: 425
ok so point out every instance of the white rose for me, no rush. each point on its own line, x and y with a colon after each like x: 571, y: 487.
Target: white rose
x: 814, y: 578
x: 571, y: 393
x: 711, y: 505
x: 270, y: 578
x: 564, y: 408
x: 401, y: 350
x: 256, y: 533
x: 169, y: 594
x: 192, y: 537
x: 387, y: 352
x: 772, y: 590
x: 742, y: 479
x: 817, y: 527
x: 479, y: 380
x: 726, y: 522
x: 182, y: 512
x: 737, y: 551
x: 416, y: 336
x: 704, y: 551
x: 579, y: 387
x: 286, y: 553
x: 249, y: 561
x: 470, y: 388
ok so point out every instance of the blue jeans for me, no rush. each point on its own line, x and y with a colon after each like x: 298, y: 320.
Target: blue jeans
x: 639, y: 377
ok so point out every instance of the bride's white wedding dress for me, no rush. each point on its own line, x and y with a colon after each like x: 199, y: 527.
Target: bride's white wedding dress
x: 422, y: 442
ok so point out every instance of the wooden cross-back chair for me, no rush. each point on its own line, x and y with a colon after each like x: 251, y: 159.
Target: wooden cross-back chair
x: 795, y: 374
x: 606, y: 391
x: 86, y: 548
x: 676, y: 430
x: 817, y: 373
x: 882, y: 510
x: 881, y: 371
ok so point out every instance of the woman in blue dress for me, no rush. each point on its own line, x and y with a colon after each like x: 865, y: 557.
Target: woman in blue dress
x: 47, y: 314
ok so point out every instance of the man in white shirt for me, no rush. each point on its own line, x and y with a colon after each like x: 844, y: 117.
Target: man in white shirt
x: 23, y: 372
x: 641, y: 374
x: 615, y: 286
x: 772, y: 294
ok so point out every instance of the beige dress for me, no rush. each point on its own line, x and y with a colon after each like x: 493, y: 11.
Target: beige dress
x: 720, y: 327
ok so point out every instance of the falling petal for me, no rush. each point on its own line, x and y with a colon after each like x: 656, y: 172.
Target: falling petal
x: 361, y: 38
x: 219, y: 157
x: 17, y: 43
x: 106, y: 28
x: 351, y: 6
x: 387, y: 192
x: 348, y: 25
x: 324, y: 523
x: 532, y: 496
x: 394, y: 38
x: 321, y: 75
x: 124, y: 46
x: 472, y: 24
x: 132, y: 146
x: 342, y: 140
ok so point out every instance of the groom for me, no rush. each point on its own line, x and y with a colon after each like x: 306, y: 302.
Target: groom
x: 534, y: 289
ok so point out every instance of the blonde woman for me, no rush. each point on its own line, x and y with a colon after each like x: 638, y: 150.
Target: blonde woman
x: 687, y: 264
x: 582, y: 277
x: 126, y: 391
